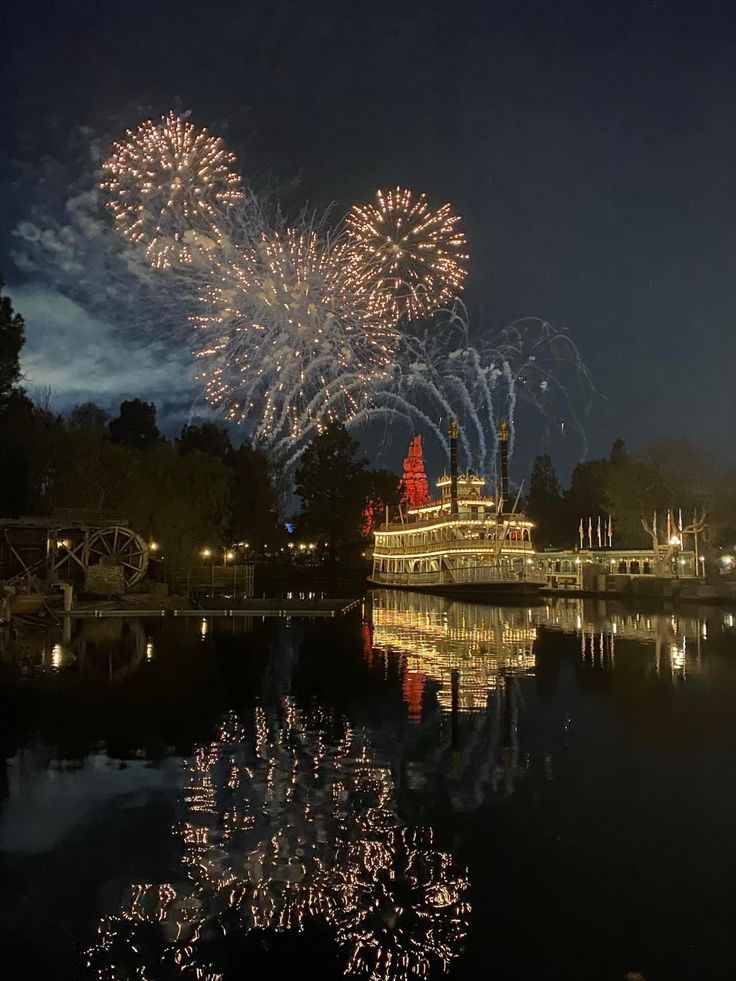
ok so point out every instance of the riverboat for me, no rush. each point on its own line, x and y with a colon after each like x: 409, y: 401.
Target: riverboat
x: 466, y: 542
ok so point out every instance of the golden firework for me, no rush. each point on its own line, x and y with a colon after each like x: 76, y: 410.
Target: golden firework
x: 168, y: 184
x: 409, y: 259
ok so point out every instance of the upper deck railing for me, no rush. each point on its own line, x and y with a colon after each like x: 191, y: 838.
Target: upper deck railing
x: 416, y: 523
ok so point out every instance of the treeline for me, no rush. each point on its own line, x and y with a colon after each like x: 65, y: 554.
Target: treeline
x: 183, y: 494
x: 194, y: 491
x: 200, y: 490
x: 671, y: 475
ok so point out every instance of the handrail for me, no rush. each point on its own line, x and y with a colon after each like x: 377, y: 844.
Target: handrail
x: 484, y: 545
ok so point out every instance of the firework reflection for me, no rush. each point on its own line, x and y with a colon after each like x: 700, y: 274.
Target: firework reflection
x: 291, y: 821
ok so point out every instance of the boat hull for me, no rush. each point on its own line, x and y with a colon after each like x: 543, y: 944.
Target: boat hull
x: 506, y: 589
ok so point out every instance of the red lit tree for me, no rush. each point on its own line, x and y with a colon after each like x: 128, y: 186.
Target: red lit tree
x: 414, y: 486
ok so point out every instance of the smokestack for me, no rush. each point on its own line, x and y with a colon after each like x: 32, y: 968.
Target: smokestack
x: 503, y: 437
x: 453, y: 466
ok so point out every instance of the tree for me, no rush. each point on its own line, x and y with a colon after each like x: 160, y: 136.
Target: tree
x: 253, y: 516
x: 89, y: 470
x: 18, y: 432
x: 665, y: 551
x: 136, y: 425
x: 211, y: 438
x: 722, y: 525
x: 378, y: 490
x: 89, y: 416
x: 16, y: 414
x: 544, y: 502
x: 586, y: 495
x: 619, y: 453
x: 633, y: 487
x: 12, y: 338
x: 181, y: 501
x: 326, y: 483
x: 414, y: 485
x: 686, y: 469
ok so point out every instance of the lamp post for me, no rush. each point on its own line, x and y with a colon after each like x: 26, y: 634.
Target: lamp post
x: 227, y: 556
x: 675, y: 542
x: 206, y: 553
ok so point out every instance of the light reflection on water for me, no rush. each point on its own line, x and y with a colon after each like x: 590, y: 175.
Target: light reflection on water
x: 288, y: 821
x: 470, y: 649
x: 298, y: 814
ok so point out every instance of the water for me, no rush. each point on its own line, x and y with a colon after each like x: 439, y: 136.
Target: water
x: 542, y: 792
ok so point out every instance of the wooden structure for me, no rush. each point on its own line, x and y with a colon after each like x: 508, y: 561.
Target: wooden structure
x: 66, y: 544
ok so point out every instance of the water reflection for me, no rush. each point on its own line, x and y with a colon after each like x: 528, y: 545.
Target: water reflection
x: 468, y: 649
x: 291, y: 820
x: 468, y: 672
x: 112, y: 648
x: 463, y: 732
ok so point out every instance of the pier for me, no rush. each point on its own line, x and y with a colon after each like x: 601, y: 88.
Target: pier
x: 303, y: 609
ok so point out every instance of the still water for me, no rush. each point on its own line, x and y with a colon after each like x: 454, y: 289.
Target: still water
x: 428, y: 786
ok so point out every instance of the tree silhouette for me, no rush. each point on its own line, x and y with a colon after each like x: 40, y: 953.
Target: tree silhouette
x: 326, y: 483
x: 544, y: 502
x: 12, y: 338
x: 136, y: 425
x: 211, y: 438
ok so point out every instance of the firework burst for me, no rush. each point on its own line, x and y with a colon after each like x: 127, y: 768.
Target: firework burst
x: 288, y: 343
x: 168, y: 184
x: 411, y: 259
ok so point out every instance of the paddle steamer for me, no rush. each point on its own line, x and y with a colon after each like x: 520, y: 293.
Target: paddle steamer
x: 465, y: 542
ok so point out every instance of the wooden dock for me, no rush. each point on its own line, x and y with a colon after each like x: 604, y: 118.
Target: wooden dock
x: 287, y: 608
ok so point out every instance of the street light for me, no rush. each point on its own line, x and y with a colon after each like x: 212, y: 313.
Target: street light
x: 675, y: 542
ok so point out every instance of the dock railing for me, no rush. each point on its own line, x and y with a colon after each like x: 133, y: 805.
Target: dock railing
x: 215, y: 580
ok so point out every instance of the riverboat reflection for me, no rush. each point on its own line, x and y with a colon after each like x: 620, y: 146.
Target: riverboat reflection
x: 466, y: 648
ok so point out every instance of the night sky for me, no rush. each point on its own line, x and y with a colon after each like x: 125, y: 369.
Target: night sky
x: 590, y: 148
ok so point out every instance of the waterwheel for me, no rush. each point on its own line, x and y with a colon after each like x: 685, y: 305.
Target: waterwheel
x: 124, y: 546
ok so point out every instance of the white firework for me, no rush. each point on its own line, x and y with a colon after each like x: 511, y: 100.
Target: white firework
x: 288, y: 346
x: 439, y: 374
